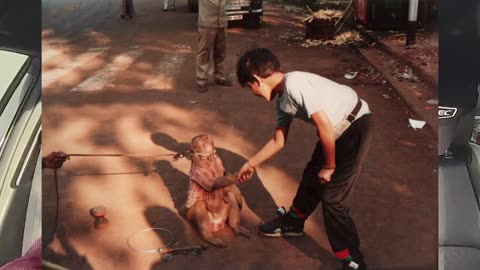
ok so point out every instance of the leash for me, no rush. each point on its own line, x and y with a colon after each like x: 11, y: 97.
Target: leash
x: 165, y: 252
x: 175, y: 156
x: 121, y: 155
x: 57, y: 197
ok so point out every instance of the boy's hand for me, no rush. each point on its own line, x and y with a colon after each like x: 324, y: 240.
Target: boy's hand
x: 245, y: 173
x: 325, y: 175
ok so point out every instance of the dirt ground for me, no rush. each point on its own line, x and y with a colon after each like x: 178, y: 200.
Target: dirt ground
x: 423, y: 54
x: 113, y: 86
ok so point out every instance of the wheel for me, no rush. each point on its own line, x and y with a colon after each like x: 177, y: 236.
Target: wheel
x: 255, y: 21
x: 193, y: 5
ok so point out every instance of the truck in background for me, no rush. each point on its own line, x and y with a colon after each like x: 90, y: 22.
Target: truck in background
x: 248, y: 13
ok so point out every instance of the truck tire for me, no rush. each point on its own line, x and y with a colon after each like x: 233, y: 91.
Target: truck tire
x: 255, y: 21
x: 193, y: 5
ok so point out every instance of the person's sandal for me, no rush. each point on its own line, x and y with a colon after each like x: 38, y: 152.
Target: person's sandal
x: 126, y: 16
x: 224, y: 82
x: 202, y: 88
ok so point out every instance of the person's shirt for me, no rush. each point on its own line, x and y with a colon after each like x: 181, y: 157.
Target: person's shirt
x: 211, y: 13
x: 307, y: 93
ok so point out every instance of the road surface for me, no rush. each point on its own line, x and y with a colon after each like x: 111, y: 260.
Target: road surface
x: 114, y: 86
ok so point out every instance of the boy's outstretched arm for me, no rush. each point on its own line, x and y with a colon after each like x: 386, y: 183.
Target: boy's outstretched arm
x: 327, y: 139
x: 269, y: 150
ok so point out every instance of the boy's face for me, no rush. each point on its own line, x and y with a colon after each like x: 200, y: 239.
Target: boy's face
x: 261, y: 89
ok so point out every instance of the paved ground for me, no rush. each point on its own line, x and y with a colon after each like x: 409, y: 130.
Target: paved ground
x: 411, y: 70
x: 424, y: 54
x: 112, y: 86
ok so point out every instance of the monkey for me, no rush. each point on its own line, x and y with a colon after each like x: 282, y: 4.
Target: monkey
x: 213, y: 199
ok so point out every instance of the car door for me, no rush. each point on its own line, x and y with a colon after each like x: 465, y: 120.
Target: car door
x: 19, y: 158
x: 20, y: 127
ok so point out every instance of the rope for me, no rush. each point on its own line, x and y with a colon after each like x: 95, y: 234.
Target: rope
x: 57, y: 197
x: 172, y: 239
x: 174, y: 155
x: 145, y: 173
x: 172, y: 236
x: 119, y: 155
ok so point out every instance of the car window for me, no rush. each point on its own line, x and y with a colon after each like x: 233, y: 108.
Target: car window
x: 11, y: 64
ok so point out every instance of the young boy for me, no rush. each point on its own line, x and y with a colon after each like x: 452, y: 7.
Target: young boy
x: 345, y: 129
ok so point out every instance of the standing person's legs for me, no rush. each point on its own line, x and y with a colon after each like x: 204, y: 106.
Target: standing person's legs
x: 124, y: 9
x: 219, y: 51
x: 127, y: 9
x: 206, y: 38
x: 130, y: 10
x: 168, y: 5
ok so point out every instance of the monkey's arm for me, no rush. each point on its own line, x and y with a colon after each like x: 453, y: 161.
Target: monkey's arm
x: 224, y: 181
x: 217, y: 183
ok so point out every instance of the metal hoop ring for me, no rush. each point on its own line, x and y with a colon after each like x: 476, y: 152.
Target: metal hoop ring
x: 170, y: 242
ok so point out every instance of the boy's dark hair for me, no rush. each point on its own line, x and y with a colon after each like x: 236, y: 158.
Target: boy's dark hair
x: 260, y: 61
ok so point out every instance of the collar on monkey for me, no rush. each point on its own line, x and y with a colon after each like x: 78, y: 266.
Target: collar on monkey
x: 189, y: 154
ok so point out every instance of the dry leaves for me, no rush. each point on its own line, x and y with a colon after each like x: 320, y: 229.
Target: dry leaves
x: 323, y: 14
x: 341, y: 39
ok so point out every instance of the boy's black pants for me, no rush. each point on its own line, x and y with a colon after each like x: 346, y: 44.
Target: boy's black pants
x: 350, y: 151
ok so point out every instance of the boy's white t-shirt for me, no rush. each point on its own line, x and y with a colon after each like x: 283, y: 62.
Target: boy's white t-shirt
x: 306, y: 93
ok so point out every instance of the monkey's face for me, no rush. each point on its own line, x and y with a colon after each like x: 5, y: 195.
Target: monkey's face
x: 203, y: 147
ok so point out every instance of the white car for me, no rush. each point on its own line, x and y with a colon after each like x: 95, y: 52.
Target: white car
x: 20, y: 127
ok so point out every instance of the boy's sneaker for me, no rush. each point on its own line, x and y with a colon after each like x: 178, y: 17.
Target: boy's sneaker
x: 352, y: 265
x: 283, y: 225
